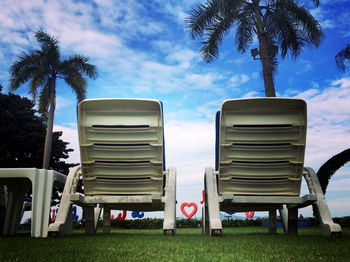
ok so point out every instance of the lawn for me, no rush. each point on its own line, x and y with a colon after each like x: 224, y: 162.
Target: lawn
x: 236, y: 244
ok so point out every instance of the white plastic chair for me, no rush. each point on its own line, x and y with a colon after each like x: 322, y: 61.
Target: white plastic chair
x: 260, y: 164
x: 122, y: 164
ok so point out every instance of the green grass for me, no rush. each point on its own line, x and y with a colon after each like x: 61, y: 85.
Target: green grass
x: 236, y: 244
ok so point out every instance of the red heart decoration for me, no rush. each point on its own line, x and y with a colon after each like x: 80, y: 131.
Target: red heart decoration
x: 122, y: 217
x: 249, y: 214
x: 203, y: 194
x: 185, y: 204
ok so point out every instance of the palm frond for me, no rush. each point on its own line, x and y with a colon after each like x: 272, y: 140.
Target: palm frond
x: 44, y: 100
x: 21, y: 70
x: 200, y: 17
x: 284, y: 30
x: 80, y: 63
x: 78, y: 84
x: 342, y: 59
x: 215, y: 34
x: 293, y: 26
x: 212, y: 21
x: 203, y: 16
x: 245, y: 27
x: 46, y: 41
x: 49, y: 48
x: 307, y: 24
x: 39, y: 78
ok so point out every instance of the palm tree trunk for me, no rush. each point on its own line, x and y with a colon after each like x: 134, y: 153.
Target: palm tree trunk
x: 266, y: 65
x: 328, y: 169
x: 49, y: 128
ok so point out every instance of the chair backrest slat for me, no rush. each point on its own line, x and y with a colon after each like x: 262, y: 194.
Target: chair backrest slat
x: 261, y: 146
x: 121, y: 146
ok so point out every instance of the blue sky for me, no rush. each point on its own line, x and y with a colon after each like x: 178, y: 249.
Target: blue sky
x: 142, y: 50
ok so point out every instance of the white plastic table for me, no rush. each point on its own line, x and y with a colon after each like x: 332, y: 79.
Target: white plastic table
x: 17, y: 181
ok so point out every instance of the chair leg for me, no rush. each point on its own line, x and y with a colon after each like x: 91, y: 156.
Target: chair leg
x: 284, y: 217
x: 293, y: 221
x: 41, y: 202
x: 89, y: 220
x: 322, y: 210
x: 205, y: 221
x: 63, y: 223
x: 212, y: 202
x: 272, y: 221
x: 169, y: 224
x: 97, y: 215
x: 13, y: 210
x: 106, y: 219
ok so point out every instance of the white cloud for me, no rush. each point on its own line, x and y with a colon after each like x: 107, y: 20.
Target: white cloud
x: 182, y: 57
x: 251, y: 94
x: 339, y: 207
x: 105, y: 33
x: 339, y: 185
x: 255, y: 75
x: 177, y: 10
x: 129, y: 19
x: 208, y: 110
x: 237, y: 61
x: 163, y: 46
x: 190, y: 148
x: 304, y: 67
x: 328, y: 121
x: 201, y: 80
x: 320, y: 14
x: 62, y: 102
x: 307, y: 94
x: 70, y: 135
x: 238, y: 80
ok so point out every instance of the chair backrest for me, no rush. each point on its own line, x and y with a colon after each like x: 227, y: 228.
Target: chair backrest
x: 121, y: 146
x: 261, y: 146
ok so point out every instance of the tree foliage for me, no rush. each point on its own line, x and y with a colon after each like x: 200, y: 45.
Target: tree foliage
x: 342, y: 59
x: 22, y: 136
x: 285, y: 24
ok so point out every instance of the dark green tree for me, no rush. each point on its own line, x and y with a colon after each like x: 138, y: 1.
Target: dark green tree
x: 22, y: 136
x: 280, y: 25
x: 42, y: 68
x: 342, y: 59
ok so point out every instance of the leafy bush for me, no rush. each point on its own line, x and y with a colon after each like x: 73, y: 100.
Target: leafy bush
x: 241, y: 222
x: 342, y: 221
x: 157, y: 223
x: 188, y: 223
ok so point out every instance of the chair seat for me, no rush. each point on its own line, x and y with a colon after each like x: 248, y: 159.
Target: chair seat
x: 232, y: 203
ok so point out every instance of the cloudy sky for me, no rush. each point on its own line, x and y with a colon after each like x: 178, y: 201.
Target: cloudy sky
x: 142, y: 50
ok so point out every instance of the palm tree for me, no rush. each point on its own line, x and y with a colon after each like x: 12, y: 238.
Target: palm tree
x: 42, y: 68
x: 342, y: 59
x: 277, y: 23
x: 328, y: 169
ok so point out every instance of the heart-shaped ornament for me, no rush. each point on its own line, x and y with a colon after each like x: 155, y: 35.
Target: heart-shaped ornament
x: 189, y: 205
x: 249, y: 214
x: 122, y: 216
